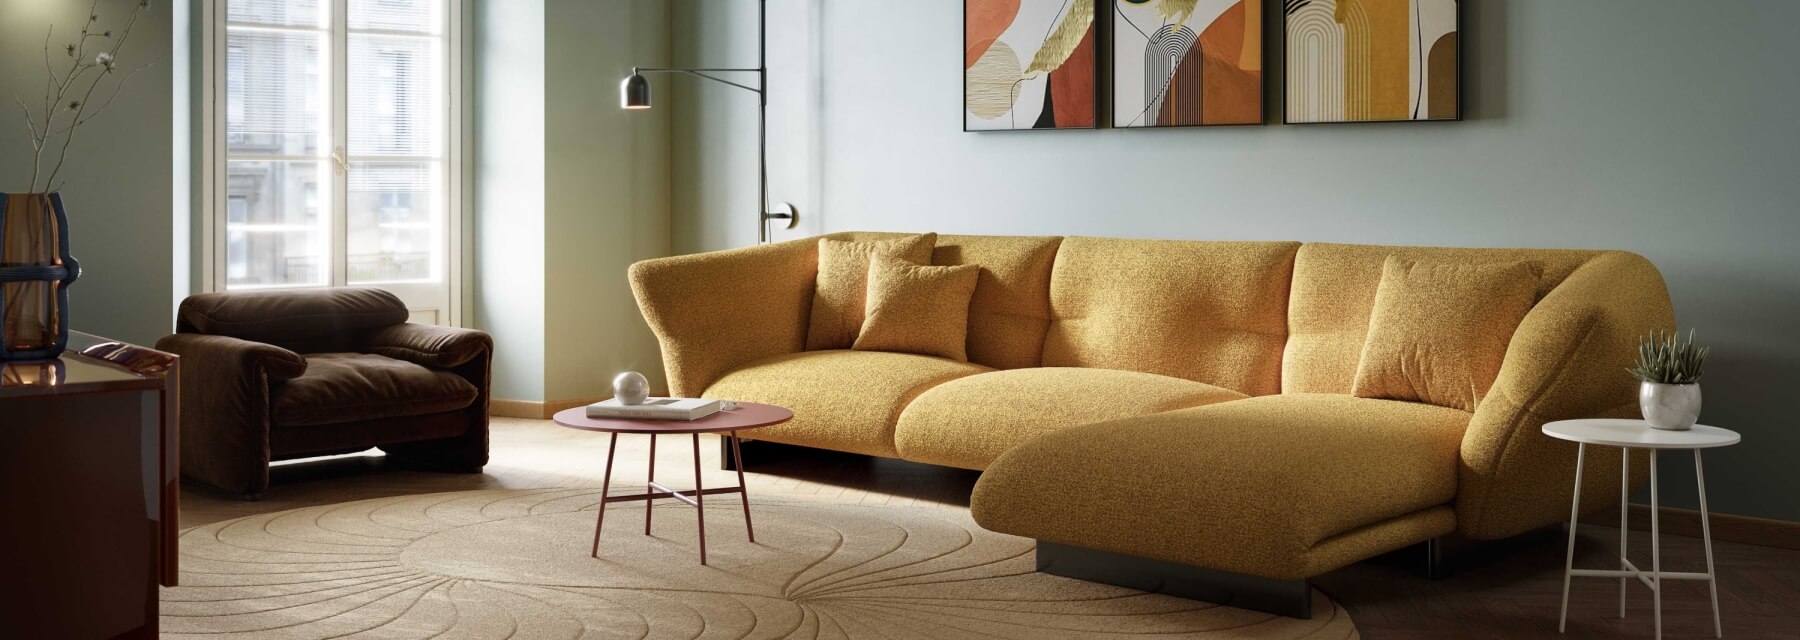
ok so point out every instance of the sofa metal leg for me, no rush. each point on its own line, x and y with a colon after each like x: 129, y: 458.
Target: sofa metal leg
x: 1434, y: 559
x: 1292, y: 598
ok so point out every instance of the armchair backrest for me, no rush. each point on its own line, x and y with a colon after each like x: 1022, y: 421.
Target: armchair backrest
x: 301, y: 320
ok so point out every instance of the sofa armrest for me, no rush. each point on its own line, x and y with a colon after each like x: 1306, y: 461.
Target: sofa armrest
x: 430, y: 345
x: 1567, y: 360
x: 714, y: 312
x: 225, y: 407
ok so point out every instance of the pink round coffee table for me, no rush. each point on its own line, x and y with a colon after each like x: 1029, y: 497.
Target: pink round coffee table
x: 747, y: 415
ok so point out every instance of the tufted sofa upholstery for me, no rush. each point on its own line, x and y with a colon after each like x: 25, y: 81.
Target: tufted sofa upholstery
x: 1179, y: 400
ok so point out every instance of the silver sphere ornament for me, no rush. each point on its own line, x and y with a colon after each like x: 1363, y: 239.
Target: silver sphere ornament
x: 631, y: 388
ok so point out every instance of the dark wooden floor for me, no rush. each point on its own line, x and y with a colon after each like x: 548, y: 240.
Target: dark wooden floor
x: 1513, y: 596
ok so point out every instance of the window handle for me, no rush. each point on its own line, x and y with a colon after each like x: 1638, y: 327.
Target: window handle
x: 339, y: 165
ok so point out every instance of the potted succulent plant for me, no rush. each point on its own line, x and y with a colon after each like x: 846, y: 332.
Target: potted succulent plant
x: 1669, y: 370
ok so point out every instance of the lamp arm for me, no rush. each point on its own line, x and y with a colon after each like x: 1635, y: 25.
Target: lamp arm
x: 703, y: 74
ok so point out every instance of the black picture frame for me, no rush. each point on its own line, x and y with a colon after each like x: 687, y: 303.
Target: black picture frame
x: 1461, y: 66
x: 1099, y: 43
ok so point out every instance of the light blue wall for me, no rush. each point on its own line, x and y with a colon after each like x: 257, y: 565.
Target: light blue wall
x: 1663, y: 127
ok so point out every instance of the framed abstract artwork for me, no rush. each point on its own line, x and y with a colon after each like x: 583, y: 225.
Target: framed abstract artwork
x: 1187, y: 62
x: 1030, y: 64
x: 1372, y: 60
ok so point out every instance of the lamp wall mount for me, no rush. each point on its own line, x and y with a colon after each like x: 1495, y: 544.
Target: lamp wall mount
x: 783, y: 215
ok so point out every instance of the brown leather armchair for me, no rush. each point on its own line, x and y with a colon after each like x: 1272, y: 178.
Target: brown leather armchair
x: 275, y: 375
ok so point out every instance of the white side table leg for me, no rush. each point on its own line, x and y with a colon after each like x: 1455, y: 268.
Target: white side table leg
x: 1624, y: 519
x: 1655, y: 549
x: 1712, y: 579
x: 1562, y: 621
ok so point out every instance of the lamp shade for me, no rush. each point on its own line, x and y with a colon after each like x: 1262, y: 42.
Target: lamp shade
x: 634, y: 92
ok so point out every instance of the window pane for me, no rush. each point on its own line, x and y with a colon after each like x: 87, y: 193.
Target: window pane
x: 275, y: 92
x: 279, y: 218
x: 394, y: 221
x: 295, y: 13
x: 396, y: 102
x: 396, y: 15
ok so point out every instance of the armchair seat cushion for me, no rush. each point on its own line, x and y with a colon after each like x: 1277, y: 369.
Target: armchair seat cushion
x: 1283, y: 487
x: 971, y: 421
x: 349, y: 387
x: 842, y: 400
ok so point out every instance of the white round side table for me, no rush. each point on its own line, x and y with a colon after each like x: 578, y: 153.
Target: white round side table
x: 1628, y: 435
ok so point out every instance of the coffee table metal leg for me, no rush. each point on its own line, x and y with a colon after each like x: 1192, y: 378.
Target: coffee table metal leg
x: 1562, y: 622
x: 744, y: 490
x: 1712, y: 580
x: 1624, y: 519
x: 612, y: 444
x: 650, y: 504
x: 699, y: 500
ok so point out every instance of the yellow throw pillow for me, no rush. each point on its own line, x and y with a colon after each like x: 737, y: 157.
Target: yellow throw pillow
x: 1439, y: 331
x: 837, y: 308
x: 915, y: 309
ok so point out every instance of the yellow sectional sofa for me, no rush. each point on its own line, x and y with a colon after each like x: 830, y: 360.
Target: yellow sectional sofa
x: 1181, y: 402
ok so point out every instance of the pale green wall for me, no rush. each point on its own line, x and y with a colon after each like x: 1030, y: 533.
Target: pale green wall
x: 570, y: 190
x: 1664, y: 128
x: 509, y: 247
x: 608, y: 199
x: 123, y: 170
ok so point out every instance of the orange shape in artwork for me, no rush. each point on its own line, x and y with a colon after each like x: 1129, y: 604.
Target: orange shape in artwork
x: 1224, y: 38
x: 1231, y: 95
x: 983, y: 22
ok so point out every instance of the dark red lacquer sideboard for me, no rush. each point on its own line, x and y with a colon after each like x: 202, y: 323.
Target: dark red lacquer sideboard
x: 89, y: 484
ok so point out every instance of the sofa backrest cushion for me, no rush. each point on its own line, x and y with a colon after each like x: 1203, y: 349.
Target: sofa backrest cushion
x: 1334, y: 293
x: 300, y: 320
x: 1011, y: 308
x: 1211, y: 312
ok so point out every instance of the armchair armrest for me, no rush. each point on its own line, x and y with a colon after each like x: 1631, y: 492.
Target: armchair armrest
x: 430, y: 345
x: 239, y: 357
x: 1566, y: 360
x: 225, y: 407
x: 713, y: 312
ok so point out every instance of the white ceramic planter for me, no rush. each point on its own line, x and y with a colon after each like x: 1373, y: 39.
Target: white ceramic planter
x: 1673, y: 407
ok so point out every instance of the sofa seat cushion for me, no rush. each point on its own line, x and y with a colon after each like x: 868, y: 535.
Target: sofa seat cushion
x: 971, y: 421
x: 347, y: 387
x: 842, y: 400
x: 1285, y: 487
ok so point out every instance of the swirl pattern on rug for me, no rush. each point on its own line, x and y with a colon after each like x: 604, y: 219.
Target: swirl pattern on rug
x: 514, y: 564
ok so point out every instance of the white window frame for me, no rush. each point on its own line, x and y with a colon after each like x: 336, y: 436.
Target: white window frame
x: 213, y: 276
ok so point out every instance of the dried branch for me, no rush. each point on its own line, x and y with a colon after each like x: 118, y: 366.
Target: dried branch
x: 81, y: 107
x: 117, y: 87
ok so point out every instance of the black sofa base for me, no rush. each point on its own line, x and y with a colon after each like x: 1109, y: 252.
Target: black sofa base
x: 1291, y: 598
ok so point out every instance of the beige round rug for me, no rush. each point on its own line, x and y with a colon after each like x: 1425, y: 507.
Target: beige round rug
x: 514, y: 564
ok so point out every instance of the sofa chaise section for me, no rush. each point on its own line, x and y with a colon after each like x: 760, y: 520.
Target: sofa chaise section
x: 1284, y: 487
